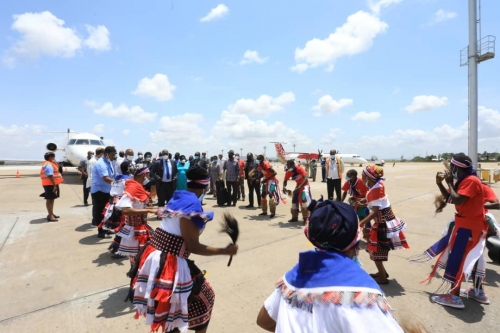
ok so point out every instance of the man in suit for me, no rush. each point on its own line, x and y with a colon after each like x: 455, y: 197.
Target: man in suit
x: 164, y: 172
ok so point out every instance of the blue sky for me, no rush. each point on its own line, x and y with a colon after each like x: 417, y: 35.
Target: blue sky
x: 369, y: 77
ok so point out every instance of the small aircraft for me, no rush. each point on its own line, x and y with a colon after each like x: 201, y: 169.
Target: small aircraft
x: 77, y: 146
x: 283, y: 156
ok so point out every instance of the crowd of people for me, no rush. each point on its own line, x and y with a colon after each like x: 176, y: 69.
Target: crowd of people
x: 172, y: 292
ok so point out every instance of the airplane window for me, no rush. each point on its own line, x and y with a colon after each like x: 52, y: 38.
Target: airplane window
x: 95, y: 142
x: 102, y: 143
x: 82, y: 142
x: 72, y: 142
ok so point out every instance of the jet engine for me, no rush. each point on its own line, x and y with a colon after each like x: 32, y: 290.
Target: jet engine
x: 51, y: 146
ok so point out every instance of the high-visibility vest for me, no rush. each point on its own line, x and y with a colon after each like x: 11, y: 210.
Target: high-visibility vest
x: 58, y: 179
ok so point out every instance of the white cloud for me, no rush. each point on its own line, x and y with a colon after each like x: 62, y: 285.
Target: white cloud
x: 262, y: 106
x: 233, y: 128
x: 98, y: 129
x: 426, y: 103
x: 252, y: 57
x: 355, y: 36
x: 366, y: 116
x: 216, y: 13
x: 159, y: 87
x: 44, y: 34
x: 134, y: 114
x: 185, y: 129
x: 98, y: 38
x: 376, y: 6
x: 331, y: 137
x: 326, y: 104
x: 125, y: 132
x: 442, y: 15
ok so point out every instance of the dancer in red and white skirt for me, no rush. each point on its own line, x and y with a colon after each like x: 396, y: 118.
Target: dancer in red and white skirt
x: 387, y: 232
x: 134, y: 204
x: 168, y: 288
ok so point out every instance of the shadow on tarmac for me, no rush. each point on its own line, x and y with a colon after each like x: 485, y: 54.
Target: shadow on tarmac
x: 107, y: 258
x: 39, y: 221
x: 115, y: 306
x: 94, y: 240
x: 492, y: 278
x: 393, y: 289
x: 84, y: 227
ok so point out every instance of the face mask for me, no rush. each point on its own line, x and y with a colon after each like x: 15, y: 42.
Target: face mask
x: 165, y: 157
x: 332, y: 156
x: 367, y: 184
x: 290, y: 169
x: 146, y: 180
x: 130, y: 158
x: 214, y: 161
x: 201, y: 197
x: 258, y: 161
x: 183, y: 161
x: 148, y: 159
x: 356, y: 260
x: 454, y: 175
x: 347, y: 178
x: 197, y: 157
x: 98, y: 157
x: 140, y: 156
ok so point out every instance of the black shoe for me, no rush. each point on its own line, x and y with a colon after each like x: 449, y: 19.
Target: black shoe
x: 263, y: 214
x: 86, y: 203
x: 293, y: 220
x: 249, y: 206
x: 104, y: 235
x: 234, y: 204
x: 272, y: 215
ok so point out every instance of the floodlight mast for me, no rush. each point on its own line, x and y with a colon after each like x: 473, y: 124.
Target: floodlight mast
x: 473, y: 101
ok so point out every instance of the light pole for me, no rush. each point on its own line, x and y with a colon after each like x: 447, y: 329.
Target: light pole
x: 294, y: 147
x: 265, y: 151
x: 222, y: 150
x: 241, y: 152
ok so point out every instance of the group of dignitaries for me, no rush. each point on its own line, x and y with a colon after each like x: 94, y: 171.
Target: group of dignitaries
x: 308, y: 297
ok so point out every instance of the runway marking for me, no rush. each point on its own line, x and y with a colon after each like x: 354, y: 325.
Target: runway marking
x: 5, y: 240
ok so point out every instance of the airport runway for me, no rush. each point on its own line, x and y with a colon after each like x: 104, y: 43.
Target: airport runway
x: 59, y: 277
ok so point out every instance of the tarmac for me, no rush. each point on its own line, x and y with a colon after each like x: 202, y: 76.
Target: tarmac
x: 59, y: 277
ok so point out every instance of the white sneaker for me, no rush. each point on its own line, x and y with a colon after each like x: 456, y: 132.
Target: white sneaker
x: 449, y: 300
x: 480, y: 297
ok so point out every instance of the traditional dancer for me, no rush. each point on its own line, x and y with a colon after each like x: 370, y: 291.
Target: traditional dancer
x: 327, y: 291
x: 387, y: 232
x: 301, y: 197
x: 113, y: 219
x: 135, y: 204
x: 168, y: 289
x: 270, y: 186
x: 463, y: 245
x: 357, y: 191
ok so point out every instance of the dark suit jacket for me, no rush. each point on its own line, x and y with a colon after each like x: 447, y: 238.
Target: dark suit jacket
x: 157, y: 170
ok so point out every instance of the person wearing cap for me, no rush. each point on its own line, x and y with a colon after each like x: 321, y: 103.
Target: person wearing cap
x: 327, y: 291
x: 135, y: 204
x: 182, y: 298
x: 387, y: 231
x: 51, y: 178
x: 103, y: 174
x: 82, y: 168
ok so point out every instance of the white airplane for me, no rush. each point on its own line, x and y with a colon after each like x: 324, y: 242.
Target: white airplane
x: 77, y: 147
x: 284, y: 156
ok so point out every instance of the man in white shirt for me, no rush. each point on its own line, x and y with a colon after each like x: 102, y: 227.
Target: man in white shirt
x: 222, y: 163
x: 334, y: 171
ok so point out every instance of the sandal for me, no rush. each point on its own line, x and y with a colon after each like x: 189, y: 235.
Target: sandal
x: 381, y: 282
x: 374, y: 275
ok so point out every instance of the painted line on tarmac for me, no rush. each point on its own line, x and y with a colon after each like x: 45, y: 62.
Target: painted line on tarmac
x: 10, y: 231
x: 61, y: 303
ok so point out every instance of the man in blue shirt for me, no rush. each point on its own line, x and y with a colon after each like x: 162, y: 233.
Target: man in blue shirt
x: 103, y: 174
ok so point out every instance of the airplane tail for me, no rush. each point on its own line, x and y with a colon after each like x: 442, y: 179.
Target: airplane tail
x: 280, y: 152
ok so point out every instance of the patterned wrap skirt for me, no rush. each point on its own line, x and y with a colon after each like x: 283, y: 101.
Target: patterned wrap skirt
x: 168, y: 289
x: 133, y: 235
x: 387, y: 233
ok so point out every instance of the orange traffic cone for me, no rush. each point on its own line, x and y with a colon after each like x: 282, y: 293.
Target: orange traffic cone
x: 18, y: 175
